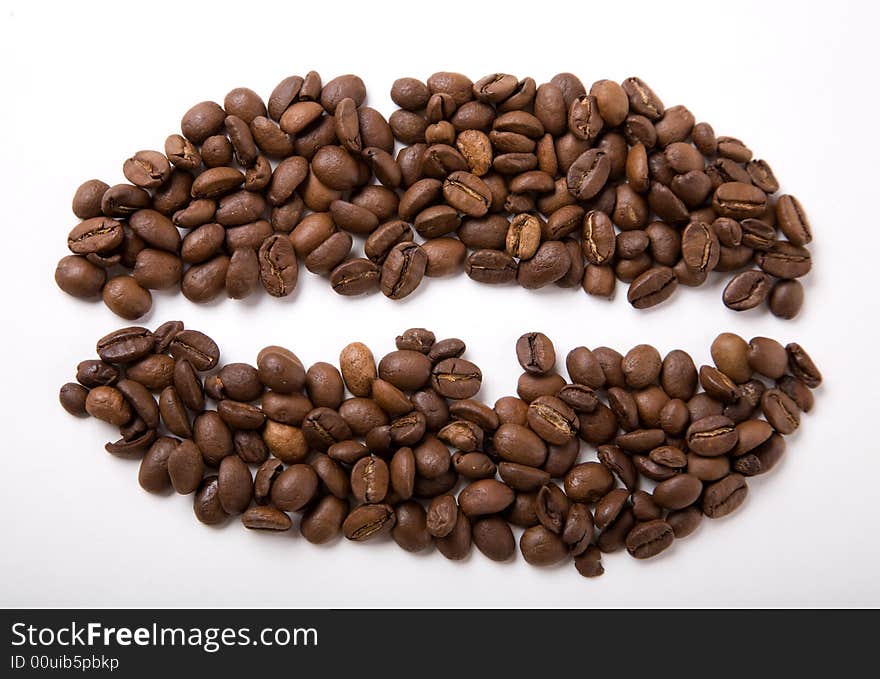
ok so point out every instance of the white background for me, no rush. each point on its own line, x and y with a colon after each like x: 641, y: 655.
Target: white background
x: 82, y: 89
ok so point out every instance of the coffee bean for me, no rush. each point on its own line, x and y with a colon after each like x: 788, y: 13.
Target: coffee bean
x: 95, y: 235
x: 724, y: 496
x: 550, y: 263
x: 793, y: 220
x: 786, y: 298
x: 266, y: 518
x: 780, y: 410
x: 410, y: 530
x: 403, y: 270
x: 185, y: 467
x: 494, y: 538
x: 802, y: 366
x: 641, y: 366
x: 541, y: 547
x: 467, y: 193
x: 206, y: 504
x: 324, y: 521
x: 649, y: 539
x: 739, y: 200
x: 355, y: 277
x: 588, y: 174
x: 79, y: 277
x: 491, y: 266
x: 588, y: 482
x: 642, y: 99
x: 652, y: 287
x: 73, y: 398
x: 197, y: 348
x: 278, y: 268
x: 746, y: 290
x: 678, y: 492
x: 552, y: 419
x: 535, y: 353
x: 108, y: 404
x: 369, y: 521
x: 700, y: 249
x: 712, y: 435
x: 456, y: 378
x: 784, y: 260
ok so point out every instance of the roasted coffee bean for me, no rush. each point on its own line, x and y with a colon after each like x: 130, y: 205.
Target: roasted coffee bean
x: 323, y: 522
x: 266, y: 518
x: 369, y: 479
x: 185, y: 467
x: 473, y: 465
x: 87, y: 199
x: 521, y: 477
x: 541, y: 547
x: 552, y: 507
x: 122, y: 200
x: 652, y: 287
x: 108, y: 404
x: 486, y: 496
x: 197, y: 348
x: 73, y: 399
x: 461, y: 434
x: 718, y: 385
x: 358, y: 368
x: 535, y: 353
x: 294, y: 488
x: 403, y: 270
x: 700, y: 249
x: 550, y: 263
x: 641, y: 366
x: 467, y: 193
x: 206, y: 504
x: 492, y: 536
x: 724, y: 496
x: 589, y: 562
x: 739, y: 200
x: 323, y: 427
x: 442, y: 515
x: 278, y: 267
x: 792, y: 220
x: 79, y: 277
x: 369, y: 521
x: 712, y: 435
x: 780, y: 410
x: 96, y: 373
x: 784, y: 260
x: 126, y: 298
x: 588, y: 174
x: 456, y: 378
x: 786, y: 298
x: 141, y: 401
x: 154, y: 372
x: 642, y: 99
x: 410, y: 530
x: 746, y: 290
x: 491, y: 266
x: 678, y: 492
x: 802, y: 366
x: 235, y: 485
x: 649, y: 539
x: 588, y: 482
x: 552, y: 419
x: 610, y: 506
x: 355, y: 277
x: 731, y: 355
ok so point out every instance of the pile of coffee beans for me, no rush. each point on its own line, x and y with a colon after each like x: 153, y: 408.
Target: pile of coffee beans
x: 502, y: 178
x: 411, y: 452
